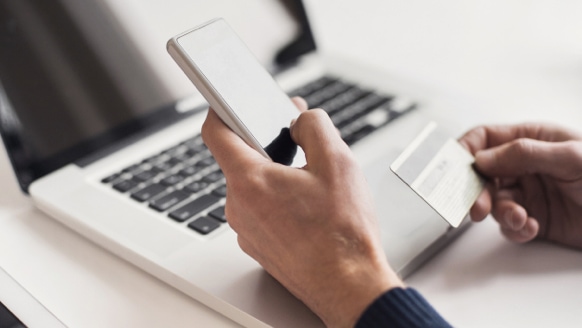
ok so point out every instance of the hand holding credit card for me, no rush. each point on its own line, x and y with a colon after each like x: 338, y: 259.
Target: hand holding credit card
x: 441, y: 172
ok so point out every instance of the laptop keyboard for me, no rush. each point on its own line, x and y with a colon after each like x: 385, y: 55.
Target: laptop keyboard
x: 185, y: 184
x: 355, y: 111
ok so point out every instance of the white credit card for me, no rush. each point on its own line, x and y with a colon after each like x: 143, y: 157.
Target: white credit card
x: 441, y: 172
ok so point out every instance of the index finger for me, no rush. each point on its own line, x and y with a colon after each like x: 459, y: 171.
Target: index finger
x: 488, y: 136
x: 230, y: 151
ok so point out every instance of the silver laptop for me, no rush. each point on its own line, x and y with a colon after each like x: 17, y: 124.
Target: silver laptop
x: 98, y: 146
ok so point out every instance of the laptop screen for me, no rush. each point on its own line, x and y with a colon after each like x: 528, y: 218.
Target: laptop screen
x: 73, y: 83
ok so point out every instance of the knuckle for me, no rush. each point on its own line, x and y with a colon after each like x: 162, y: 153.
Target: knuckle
x: 254, y: 179
x: 247, y: 186
x: 523, y: 147
x: 343, y: 158
x: 314, y: 112
x: 520, y: 145
x: 478, y: 132
x: 342, y: 166
x: 312, y: 116
x: 474, y: 139
x: 574, y: 148
x: 230, y: 214
x: 205, y: 131
x: 244, y: 245
x: 318, y: 112
x: 572, y: 167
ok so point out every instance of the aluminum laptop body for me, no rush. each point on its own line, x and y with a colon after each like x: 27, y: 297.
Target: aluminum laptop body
x: 65, y: 160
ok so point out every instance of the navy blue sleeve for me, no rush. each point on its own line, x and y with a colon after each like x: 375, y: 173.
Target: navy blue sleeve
x: 401, y: 307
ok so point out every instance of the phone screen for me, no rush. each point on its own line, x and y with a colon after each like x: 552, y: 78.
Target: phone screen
x: 243, y: 84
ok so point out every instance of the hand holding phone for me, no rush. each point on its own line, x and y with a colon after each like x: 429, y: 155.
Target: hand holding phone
x: 237, y: 87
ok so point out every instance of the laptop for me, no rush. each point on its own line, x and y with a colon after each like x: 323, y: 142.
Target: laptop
x: 99, y: 145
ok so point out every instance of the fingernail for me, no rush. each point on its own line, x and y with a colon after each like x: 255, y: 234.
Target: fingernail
x: 508, y: 217
x: 525, y: 231
x: 484, y: 156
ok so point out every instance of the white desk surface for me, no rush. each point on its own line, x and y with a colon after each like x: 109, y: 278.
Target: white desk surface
x: 497, y: 61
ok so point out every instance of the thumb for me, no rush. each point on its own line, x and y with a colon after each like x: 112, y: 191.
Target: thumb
x: 318, y: 137
x: 529, y: 156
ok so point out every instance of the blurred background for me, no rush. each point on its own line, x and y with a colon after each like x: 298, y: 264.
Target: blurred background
x: 512, y: 55
x: 521, y: 56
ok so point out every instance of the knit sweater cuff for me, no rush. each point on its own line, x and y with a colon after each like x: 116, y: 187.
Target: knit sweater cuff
x: 401, y: 307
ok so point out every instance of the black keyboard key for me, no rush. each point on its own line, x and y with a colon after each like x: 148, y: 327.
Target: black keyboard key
x: 205, y: 162
x: 172, y: 180
x: 197, y: 148
x: 125, y: 185
x: 341, y: 101
x: 111, y: 178
x: 196, y: 186
x: 163, y: 166
x: 156, y: 170
x: 189, y: 171
x: 220, y: 191
x: 148, y: 192
x: 359, y: 134
x: 204, y: 225
x: 192, y: 142
x: 132, y: 168
x: 344, y: 99
x: 182, y: 157
x: 358, y: 109
x: 174, y: 150
x: 376, y: 119
x: 218, y: 213
x: 192, y: 153
x: 195, y: 143
x: 173, y: 162
x: 153, y: 159
x: 165, y: 202
x: 312, y: 87
x: 199, y: 154
x: 330, y: 91
x: 213, y: 176
x: 194, y: 207
x: 145, y: 175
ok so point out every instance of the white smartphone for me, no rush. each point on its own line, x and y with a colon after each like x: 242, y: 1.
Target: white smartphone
x: 238, y: 87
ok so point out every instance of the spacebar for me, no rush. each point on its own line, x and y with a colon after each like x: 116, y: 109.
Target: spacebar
x: 194, y: 207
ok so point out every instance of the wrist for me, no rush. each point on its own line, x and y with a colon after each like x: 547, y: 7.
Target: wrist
x: 357, y: 305
x: 357, y: 291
